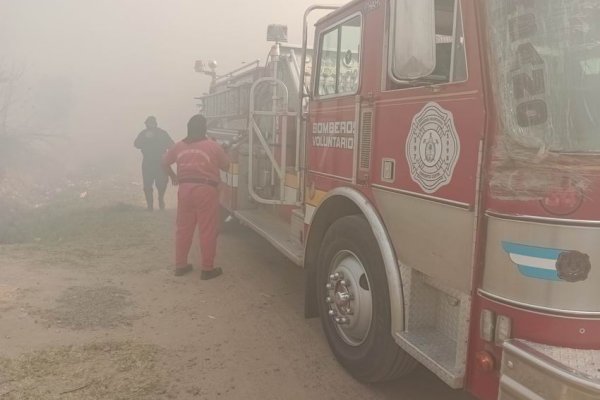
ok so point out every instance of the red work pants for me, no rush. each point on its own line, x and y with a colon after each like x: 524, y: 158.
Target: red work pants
x: 197, y: 205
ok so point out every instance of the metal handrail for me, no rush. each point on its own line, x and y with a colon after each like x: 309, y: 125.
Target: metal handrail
x: 305, y: 93
x: 254, y: 129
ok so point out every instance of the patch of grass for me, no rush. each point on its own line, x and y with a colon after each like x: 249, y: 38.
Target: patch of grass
x: 89, y: 308
x: 107, y: 370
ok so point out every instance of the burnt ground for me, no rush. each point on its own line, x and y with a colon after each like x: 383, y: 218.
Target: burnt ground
x: 90, y: 310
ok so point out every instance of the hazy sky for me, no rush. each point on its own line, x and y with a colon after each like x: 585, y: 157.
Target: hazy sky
x: 96, y: 69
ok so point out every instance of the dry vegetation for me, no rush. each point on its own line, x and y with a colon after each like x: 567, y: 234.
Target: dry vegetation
x: 89, y: 308
x: 109, y: 370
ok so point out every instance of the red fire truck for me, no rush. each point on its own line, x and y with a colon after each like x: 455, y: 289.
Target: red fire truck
x: 434, y: 166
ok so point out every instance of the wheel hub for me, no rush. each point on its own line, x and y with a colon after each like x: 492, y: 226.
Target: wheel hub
x: 350, y: 303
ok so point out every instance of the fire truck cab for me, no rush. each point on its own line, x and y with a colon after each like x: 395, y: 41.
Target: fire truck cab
x: 434, y: 166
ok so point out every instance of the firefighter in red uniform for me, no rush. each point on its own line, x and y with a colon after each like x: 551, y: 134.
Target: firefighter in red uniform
x: 198, y: 160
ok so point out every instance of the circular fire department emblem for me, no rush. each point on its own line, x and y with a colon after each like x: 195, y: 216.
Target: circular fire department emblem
x: 432, y: 148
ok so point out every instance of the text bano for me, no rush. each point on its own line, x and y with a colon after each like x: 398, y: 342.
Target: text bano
x: 528, y: 72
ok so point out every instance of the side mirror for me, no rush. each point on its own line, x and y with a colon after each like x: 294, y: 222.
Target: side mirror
x: 412, y: 42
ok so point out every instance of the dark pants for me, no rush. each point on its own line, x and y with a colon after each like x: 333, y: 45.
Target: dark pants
x: 153, y: 174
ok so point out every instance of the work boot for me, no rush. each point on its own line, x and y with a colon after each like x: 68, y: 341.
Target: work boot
x: 180, y: 271
x: 213, y: 273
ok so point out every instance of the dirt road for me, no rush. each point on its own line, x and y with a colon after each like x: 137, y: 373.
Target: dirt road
x: 89, y: 310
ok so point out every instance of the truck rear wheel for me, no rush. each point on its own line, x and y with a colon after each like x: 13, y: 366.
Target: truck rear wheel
x: 354, y: 303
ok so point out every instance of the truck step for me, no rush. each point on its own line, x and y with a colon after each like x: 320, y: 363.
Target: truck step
x: 436, y: 328
x: 297, y: 225
x: 274, y: 230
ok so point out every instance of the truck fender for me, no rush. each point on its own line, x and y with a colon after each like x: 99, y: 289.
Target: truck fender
x: 338, y: 203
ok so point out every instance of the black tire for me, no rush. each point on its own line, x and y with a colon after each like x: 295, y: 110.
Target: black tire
x: 375, y: 357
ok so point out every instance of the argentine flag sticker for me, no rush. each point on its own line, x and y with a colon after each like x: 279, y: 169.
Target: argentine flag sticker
x: 534, y: 262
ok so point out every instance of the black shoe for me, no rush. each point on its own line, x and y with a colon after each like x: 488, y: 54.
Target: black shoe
x: 180, y: 271
x: 206, y: 275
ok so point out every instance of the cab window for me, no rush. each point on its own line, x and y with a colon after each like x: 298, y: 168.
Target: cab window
x: 339, y: 59
x: 440, y: 57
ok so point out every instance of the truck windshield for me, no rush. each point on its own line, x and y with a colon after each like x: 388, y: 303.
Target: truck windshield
x: 545, y: 60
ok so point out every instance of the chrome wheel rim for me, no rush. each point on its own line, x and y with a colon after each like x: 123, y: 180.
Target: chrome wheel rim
x: 349, y: 298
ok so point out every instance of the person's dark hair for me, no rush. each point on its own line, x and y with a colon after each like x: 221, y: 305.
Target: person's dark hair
x: 197, y: 127
x: 151, y: 122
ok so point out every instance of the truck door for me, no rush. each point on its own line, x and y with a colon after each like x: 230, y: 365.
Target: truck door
x: 429, y: 121
x: 333, y: 113
x: 429, y: 125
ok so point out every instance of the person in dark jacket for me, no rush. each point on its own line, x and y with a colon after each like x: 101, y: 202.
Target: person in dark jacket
x: 153, y: 142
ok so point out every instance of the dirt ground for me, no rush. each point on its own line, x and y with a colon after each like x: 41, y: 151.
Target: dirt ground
x: 90, y: 310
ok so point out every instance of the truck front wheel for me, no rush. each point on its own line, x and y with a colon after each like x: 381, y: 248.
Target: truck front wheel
x: 354, y: 303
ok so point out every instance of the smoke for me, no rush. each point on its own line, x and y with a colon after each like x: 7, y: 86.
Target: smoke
x: 92, y: 71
